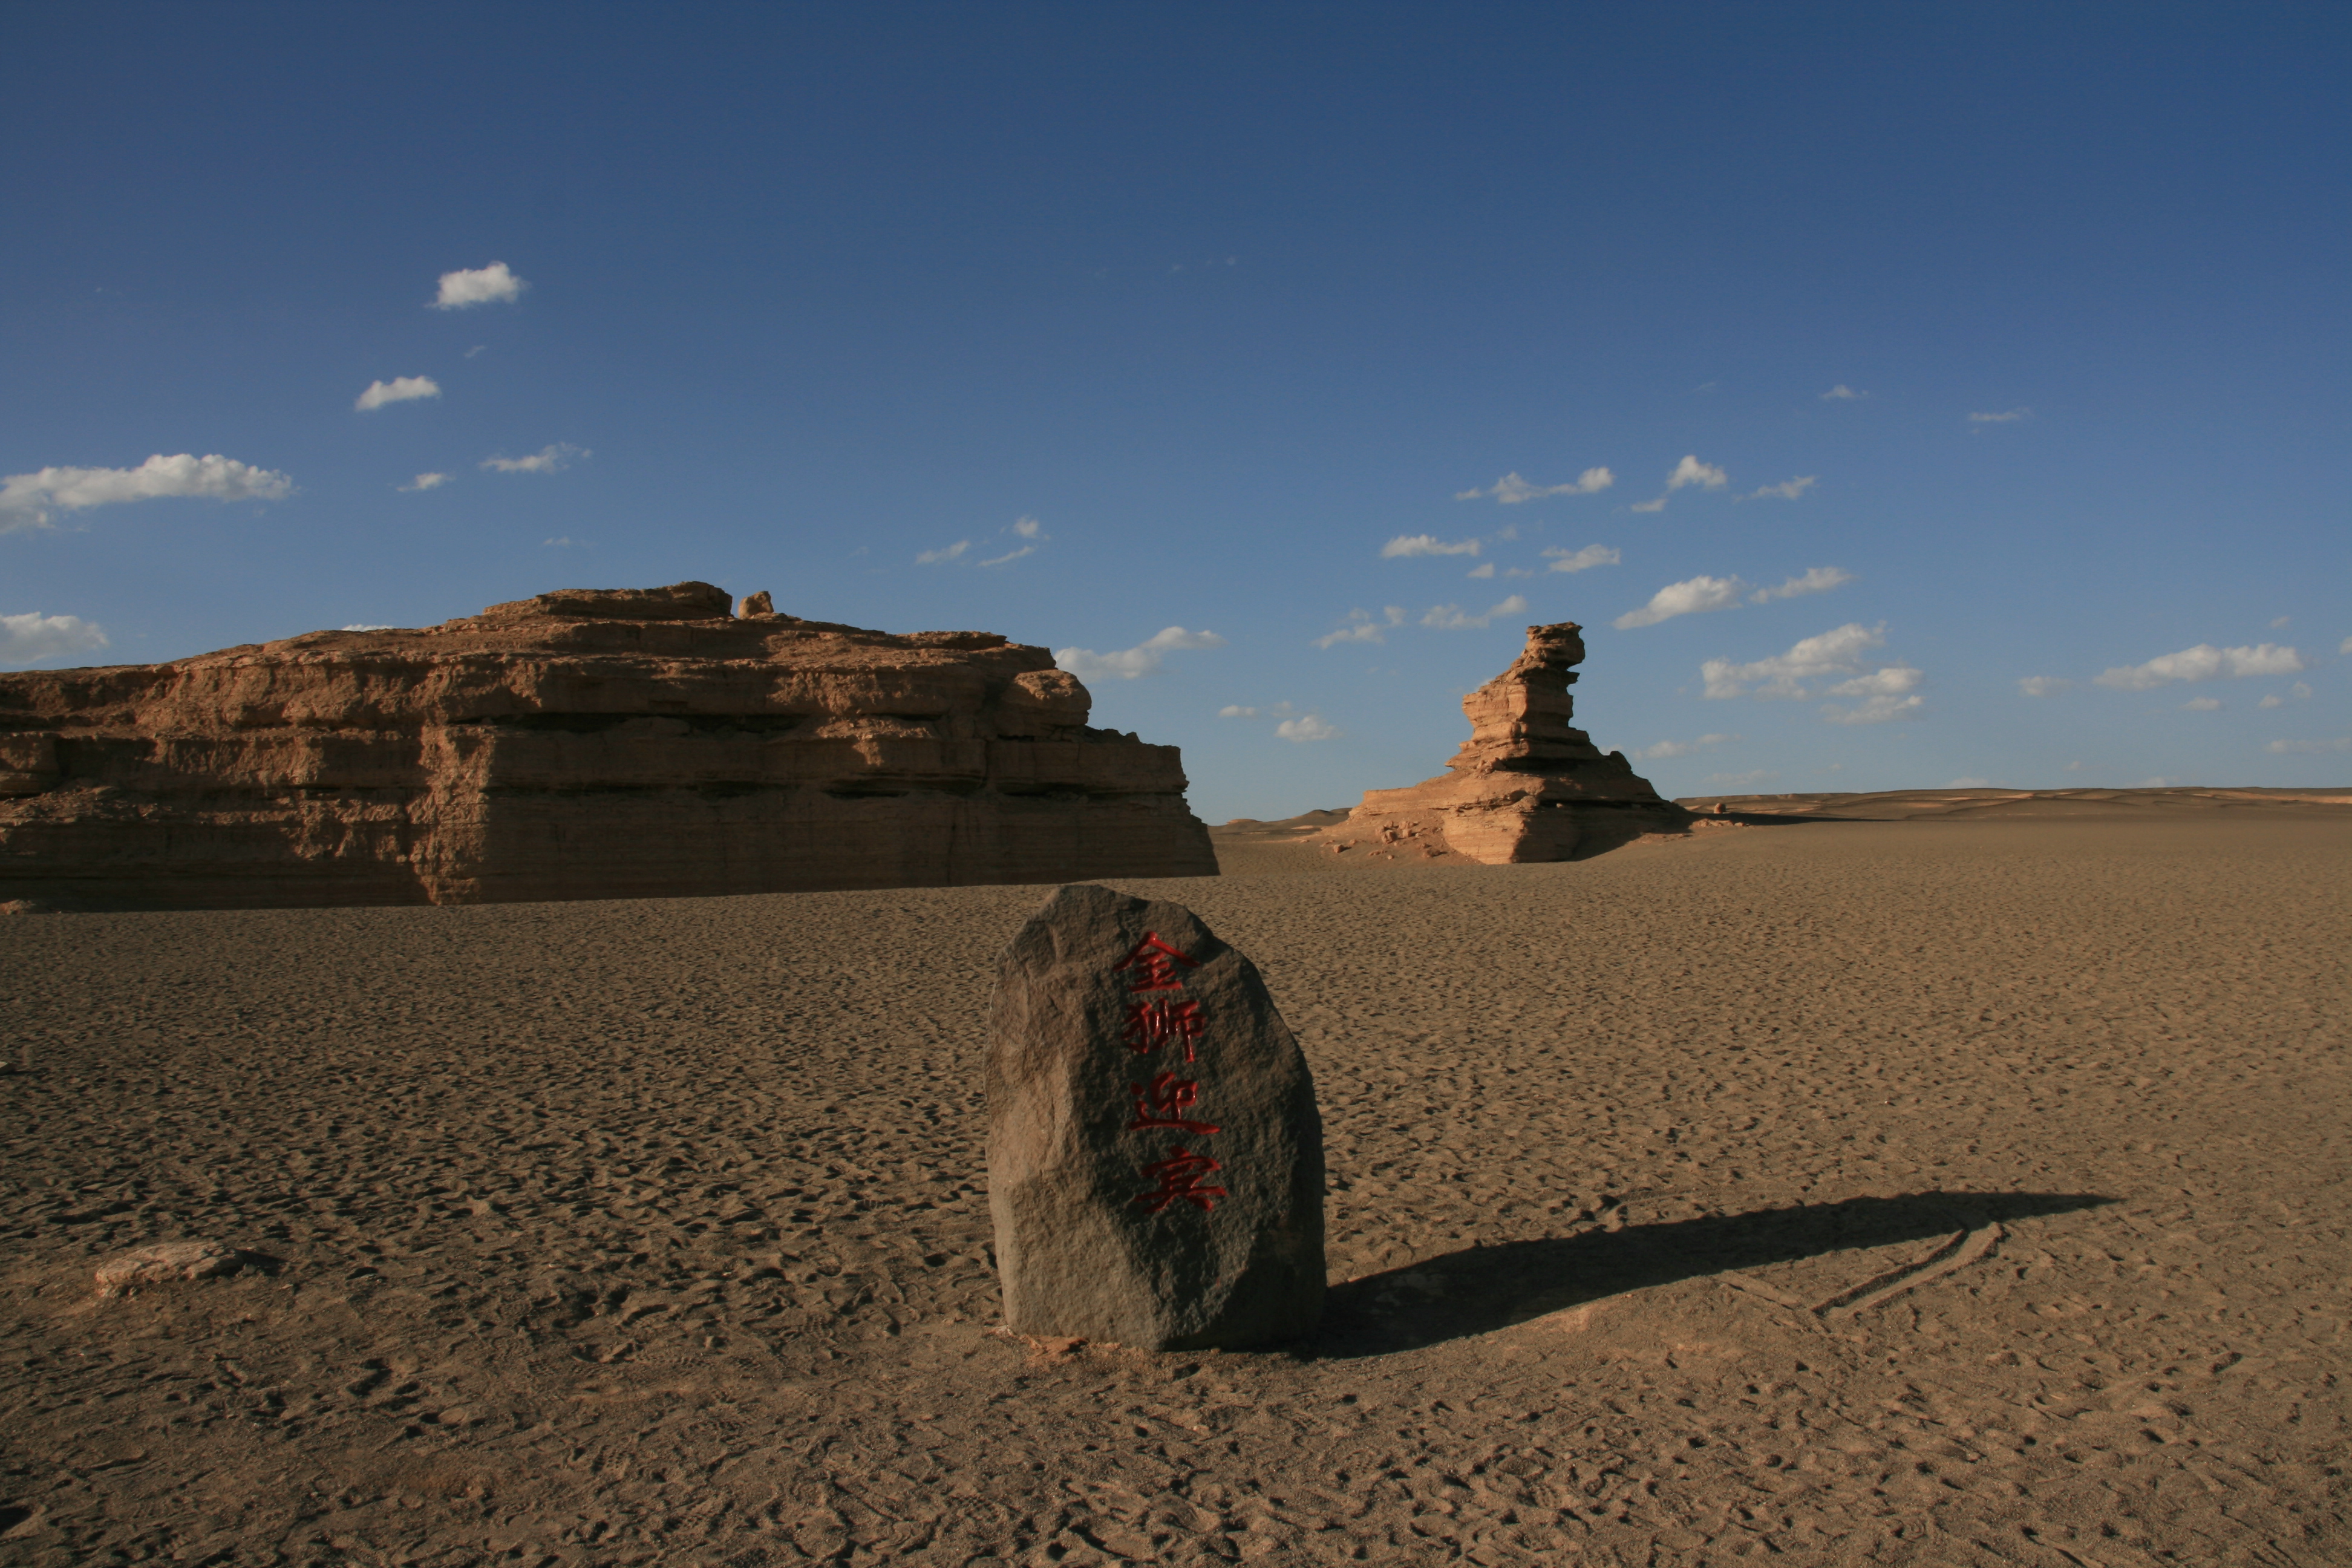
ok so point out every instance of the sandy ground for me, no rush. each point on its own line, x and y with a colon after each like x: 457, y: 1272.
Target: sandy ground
x: 1930, y: 1192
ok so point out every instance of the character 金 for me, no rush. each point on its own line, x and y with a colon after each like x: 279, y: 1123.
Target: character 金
x: 1154, y: 964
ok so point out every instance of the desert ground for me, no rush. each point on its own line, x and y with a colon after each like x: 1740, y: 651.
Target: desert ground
x: 1956, y: 1189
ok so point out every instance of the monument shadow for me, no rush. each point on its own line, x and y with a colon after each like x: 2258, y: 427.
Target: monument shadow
x: 1482, y: 1289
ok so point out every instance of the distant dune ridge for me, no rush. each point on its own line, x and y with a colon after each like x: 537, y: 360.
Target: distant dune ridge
x: 582, y: 743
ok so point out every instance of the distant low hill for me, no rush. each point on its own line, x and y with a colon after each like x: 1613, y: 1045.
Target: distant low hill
x: 1903, y: 804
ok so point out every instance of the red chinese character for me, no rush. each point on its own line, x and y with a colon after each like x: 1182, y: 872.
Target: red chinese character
x: 1159, y: 1104
x: 1154, y: 963
x: 1179, y: 1177
x: 1151, y: 1025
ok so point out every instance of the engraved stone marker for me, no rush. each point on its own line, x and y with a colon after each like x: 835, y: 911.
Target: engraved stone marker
x: 1155, y: 1159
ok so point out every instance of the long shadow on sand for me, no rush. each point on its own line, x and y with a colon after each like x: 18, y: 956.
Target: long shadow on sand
x: 1487, y: 1288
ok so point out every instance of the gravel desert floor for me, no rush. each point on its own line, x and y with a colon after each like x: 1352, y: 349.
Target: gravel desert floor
x: 1922, y: 1192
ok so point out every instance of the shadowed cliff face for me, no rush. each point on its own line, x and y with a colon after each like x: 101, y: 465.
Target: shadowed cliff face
x: 1527, y: 785
x: 585, y: 743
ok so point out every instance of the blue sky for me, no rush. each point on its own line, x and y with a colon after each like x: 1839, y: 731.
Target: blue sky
x: 1999, y: 353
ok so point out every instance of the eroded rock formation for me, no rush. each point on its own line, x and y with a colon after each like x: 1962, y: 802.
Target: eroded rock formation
x: 582, y: 745
x: 1526, y: 785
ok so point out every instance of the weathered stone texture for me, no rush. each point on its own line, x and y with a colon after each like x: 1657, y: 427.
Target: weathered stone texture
x: 586, y: 743
x: 1527, y: 785
x: 1155, y: 1157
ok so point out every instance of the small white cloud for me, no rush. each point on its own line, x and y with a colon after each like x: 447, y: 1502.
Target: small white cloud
x: 1970, y: 783
x: 1512, y: 490
x: 26, y: 499
x: 563, y: 542
x: 1236, y: 711
x: 1787, y: 490
x: 2042, y: 685
x: 1306, y: 728
x: 2009, y: 417
x: 367, y: 627
x: 1127, y: 664
x: 546, y: 460
x: 1691, y: 471
x: 2273, y: 700
x: 947, y: 552
x: 1818, y: 579
x: 2345, y: 647
x: 1030, y: 528
x: 1681, y: 748
x: 2202, y: 705
x: 1657, y: 505
x: 1582, y: 560
x: 1891, y: 680
x: 2073, y: 767
x: 1362, y: 627
x: 2279, y: 623
x: 1453, y: 618
x: 1691, y: 597
x: 30, y: 638
x: 2299, y: 691
x: 399, y: 389
x: 1842, y: 393
x: 1485, y: 569
x: 2204, y: 662
x: 425, y: 482
x: 1835, y: 652
x: 1010, y: 555
x: 1426, y: 545
x: 489, y: 285
x: 1877, y: 710
x: 470, y: 353
x: 2310, y: 747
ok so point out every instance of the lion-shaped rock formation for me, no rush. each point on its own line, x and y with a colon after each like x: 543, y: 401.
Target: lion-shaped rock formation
x: 1527, y: 785
x: 589, y: 743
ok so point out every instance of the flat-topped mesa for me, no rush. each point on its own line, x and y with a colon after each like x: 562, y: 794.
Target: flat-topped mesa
x: 584, y: 744
x: 1527, y: 785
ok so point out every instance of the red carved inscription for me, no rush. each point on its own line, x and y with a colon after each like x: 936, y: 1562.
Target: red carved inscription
x: 1179, y: 1176
x: 1162, y: 1104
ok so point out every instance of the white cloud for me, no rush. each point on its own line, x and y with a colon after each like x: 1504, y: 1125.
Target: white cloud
x: 947, y: 552
x: 2009, y: 417
x: 1010, y: 555
x: 1425, y: 544
x: 1362, y: 627
x: 367, y: 627
x: 1833, y: 652
x: 1877, y: 710
x: 1129, y: 663
x: 427, y: 482
x: 2310, y: 747
x: 1691, y: 471
x: 1305, y: 728
x: 2202, y: 705
x: 1685, y: 598
x: 399, y: 389
x: 1818, y: 579
x: 1486, y: 570
x: 1681, y: 748
x: 1657, y: 505
x: 1787, y: 490
x: 565, y: 541
x: 2042, y: 685
x: 546, y: 460
x: 1453, y: 618
x: 30, y: 638
x: 1511, y: 489
x: 2204, y: 662
x: 1842, y: 393
x: 479, y: 286
x: 1030, y: 528
x: 2279, y: 623
x: 1236, y: 711
x: 26, y: 499
x: 1582, y: 560
x: 1891, y: 680
x: 2273, y: 700
x: 2345, y: 647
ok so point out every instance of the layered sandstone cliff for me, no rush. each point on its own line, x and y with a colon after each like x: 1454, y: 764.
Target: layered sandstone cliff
x: 1527, y: 785
x: 582, y: 745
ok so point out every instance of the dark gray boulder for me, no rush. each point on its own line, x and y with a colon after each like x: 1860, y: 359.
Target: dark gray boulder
x: 1155, y: 1157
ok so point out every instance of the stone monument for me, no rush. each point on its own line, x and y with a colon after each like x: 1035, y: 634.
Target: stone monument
x: 1155, y: 1157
